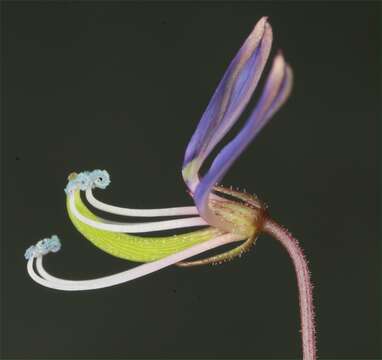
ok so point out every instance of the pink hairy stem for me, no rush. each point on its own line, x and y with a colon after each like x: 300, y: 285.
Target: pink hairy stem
x: 291, y: 245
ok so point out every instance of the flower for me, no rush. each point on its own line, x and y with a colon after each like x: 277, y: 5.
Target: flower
x: 227, y: 104
x: 225, y: 215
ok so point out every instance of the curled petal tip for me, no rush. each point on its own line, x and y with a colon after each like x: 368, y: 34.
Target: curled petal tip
x: 43, y: 247
x: 278, y: 86
x: 259, y: 27
x: 278, y: 69
x: 259, y: 41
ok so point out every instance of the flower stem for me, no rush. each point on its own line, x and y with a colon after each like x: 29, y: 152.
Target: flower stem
x: 304, y: 285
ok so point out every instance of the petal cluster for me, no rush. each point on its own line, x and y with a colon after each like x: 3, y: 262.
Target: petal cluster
x: 227, y: 104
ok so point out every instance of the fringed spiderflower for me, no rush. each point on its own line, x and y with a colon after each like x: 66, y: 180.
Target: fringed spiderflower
x: 222, y: 215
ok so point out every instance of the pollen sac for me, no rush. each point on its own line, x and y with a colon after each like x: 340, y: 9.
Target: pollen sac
x: 79, y: 181
x: 100, y: 179
x: 83, y: 180
x: 43, y: 247
x: 245, y: 215
x: 86, y: 180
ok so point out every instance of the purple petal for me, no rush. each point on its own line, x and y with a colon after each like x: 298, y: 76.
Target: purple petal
x: 229, y: 100
x: 276, y: 91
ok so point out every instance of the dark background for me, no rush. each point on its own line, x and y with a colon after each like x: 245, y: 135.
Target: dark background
x: 121, y: 86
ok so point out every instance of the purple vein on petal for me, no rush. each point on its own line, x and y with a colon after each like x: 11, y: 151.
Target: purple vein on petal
x: 277, y: 89
x: 230, y: 98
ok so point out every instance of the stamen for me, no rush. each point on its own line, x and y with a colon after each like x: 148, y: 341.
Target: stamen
x: 47, y: 280
x: 103, y: 224
x: 175, y: 211
x: 131, y: 247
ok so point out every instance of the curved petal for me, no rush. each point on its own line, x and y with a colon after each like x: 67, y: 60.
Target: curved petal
x: 276, y: 91
x: 229, y: 100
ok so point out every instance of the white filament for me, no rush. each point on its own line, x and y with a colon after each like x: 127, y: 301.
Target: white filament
x: 103, y: 224
x: 45, y: 279
x: 175, y: 211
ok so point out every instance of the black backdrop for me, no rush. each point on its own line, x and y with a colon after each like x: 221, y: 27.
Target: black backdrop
x: 121, y: 86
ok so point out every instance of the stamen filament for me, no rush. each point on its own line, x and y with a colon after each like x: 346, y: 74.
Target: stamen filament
x: 52, y: 282
x: 175, y: 211
x: 103, y: 224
